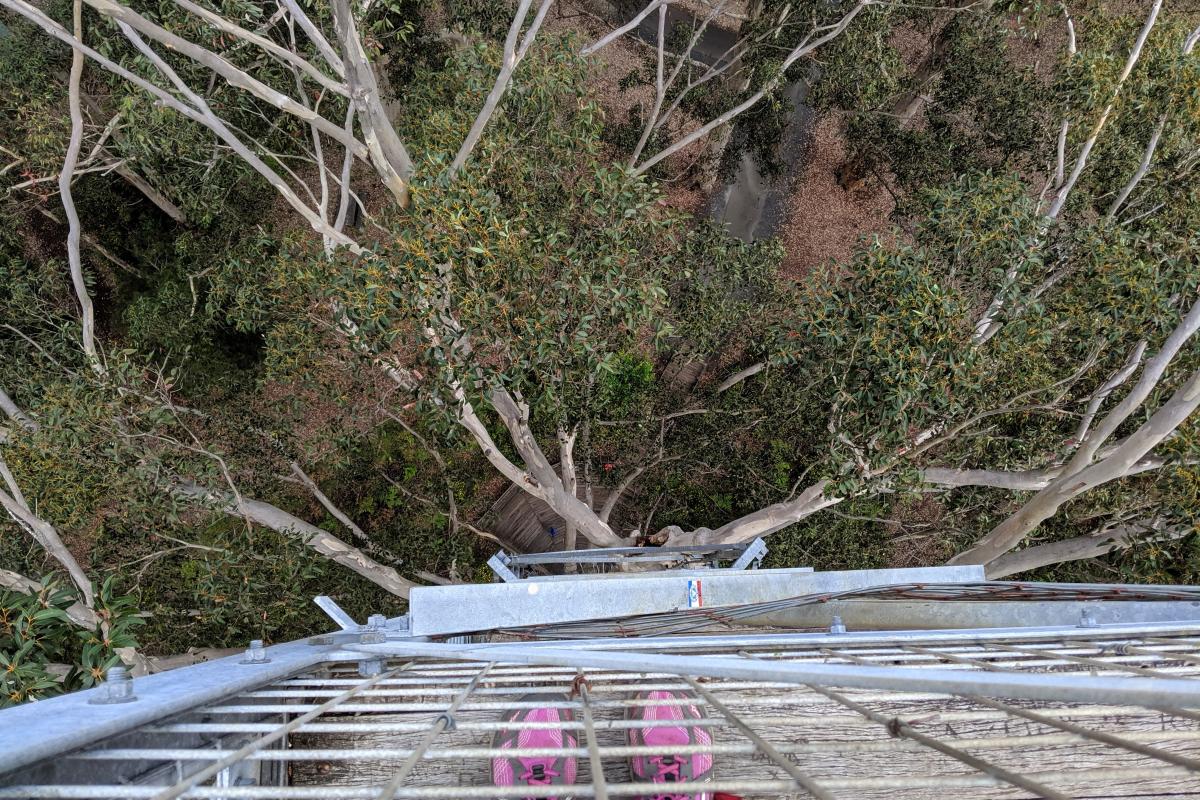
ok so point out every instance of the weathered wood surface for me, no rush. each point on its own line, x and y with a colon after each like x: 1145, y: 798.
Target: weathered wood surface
x: 524, y: 523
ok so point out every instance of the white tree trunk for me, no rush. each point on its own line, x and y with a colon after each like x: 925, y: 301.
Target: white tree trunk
x: 1116, y: 465
x: 1079, y: 548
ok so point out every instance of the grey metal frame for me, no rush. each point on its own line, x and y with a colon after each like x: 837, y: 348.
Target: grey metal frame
x: 380, y: 710
x: 518, y: 566
x: 771, y: 697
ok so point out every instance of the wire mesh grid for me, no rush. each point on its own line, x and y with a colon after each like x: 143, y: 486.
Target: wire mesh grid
x: 424, y: 728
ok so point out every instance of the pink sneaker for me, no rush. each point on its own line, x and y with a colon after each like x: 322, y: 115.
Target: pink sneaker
x: 540, y: 770
x: 670, y: 767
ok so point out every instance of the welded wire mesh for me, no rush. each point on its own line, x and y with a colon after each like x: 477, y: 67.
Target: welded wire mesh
x: 424, y: 727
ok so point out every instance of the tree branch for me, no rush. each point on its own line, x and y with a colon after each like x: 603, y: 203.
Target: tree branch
x: 77, y: 612
x: 43, y: 533
x: 232, y: 75
x: 1149, y: 379
x: 1092, y: 545
x: 387, y: 152
x: 617, y: 33
x: 317, y: 539
x: 511, y: 59
x: 324, y: 500
x: 1060, y: 197
x: 74, y: 260
x: 741, y: 375
x: 1117, y: 464
x: 262, y: 42
x: 1100, y: 395
x: 804, y: 48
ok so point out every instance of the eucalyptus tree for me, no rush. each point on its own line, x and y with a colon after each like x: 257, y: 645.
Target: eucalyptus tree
x: 466, y: 302
x: 511, y: 269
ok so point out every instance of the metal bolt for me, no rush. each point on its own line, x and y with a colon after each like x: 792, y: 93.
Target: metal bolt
x: 370, y: 668
x: 1087, y: 619
x: 376, y: 622
x: 117, y: 688
x: 256, y: 654
x: 837, y: 626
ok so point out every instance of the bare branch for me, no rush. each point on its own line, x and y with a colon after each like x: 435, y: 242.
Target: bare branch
x: 43, y: 533
x: 660, y: 90
x: 617, y: 33
x: 77, y: 612
x: 1141, y: 390
x: 804, y: 48
x: 1031, y: 480
x: 1151, y: 146
x: 387, y: 152
x: 1101, y: 394
x: 1092, y: 545
x: 741, y: 375
x: 1143, y: 168
x: 1060, y: 169
x: 566, y: 460
x: 316, y: 37
x: 339, y: 222
x: 513, y: 53
x: 324, y: 500
x: 232, y: 75
x: 15, y: 413
x: 74, y: 260
x: 1060, y: 197
x: 772, y: 518
x: 1161, y: 424
x: 282, y: 53
x: 319, y: 540
x: 201, y: 112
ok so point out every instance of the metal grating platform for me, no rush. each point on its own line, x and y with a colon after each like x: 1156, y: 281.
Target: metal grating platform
x: 1110, y: 711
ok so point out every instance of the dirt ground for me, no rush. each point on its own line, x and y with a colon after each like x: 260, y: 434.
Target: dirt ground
x: 825, y: 222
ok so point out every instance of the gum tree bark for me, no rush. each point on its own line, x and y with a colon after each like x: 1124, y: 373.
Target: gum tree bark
x: 319, y: 540
x: 1008, y: 534
x: 1092, y: 545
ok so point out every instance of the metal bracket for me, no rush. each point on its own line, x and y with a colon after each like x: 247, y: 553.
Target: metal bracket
x: 369, y: 668
x: 499, y: 565
x: 752, y: 556
x: 335, y: 613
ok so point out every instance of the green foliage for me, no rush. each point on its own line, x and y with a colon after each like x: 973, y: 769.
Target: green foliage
x: 34, y: 123
x: 722, y: 290
x: 43, y: 652
x: 982, y: 111
x: 237, y: 584
x: 625, y: 384
x: 1164, y: 85
x: 848, y: 540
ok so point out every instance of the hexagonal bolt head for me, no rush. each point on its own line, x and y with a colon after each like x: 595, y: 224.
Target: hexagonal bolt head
x: 117, y: 688
x: 838, y: 626
x: 256, y: 653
